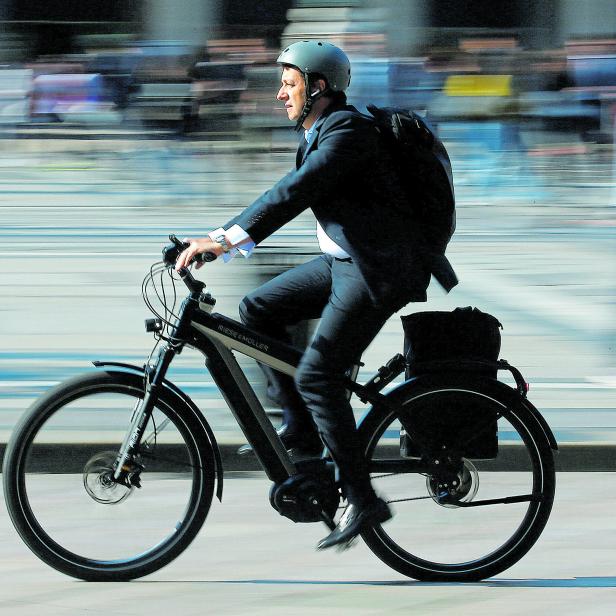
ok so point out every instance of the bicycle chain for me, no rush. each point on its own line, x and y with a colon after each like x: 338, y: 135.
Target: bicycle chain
x: 402, y: 500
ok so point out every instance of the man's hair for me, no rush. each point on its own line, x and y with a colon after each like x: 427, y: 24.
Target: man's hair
x: 338, y: 97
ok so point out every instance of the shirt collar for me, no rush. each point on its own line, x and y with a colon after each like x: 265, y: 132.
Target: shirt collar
x: 329, y: 109
x: 309, y: 132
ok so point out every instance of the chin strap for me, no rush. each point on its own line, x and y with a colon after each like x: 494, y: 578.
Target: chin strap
x: 310, y: 100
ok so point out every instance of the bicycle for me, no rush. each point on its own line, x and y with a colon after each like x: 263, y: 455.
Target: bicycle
x: 148, y: 489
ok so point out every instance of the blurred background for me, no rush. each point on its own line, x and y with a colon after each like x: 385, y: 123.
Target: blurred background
x: 123, y: 121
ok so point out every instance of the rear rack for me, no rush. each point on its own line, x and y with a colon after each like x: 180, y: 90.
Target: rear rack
x: 398, y: 364
x: 469, y: 365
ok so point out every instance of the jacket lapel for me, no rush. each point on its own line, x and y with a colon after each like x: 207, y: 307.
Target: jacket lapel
x: 304, y: 146
x: 301, y: 151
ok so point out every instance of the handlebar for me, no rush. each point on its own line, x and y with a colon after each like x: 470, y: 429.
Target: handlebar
x: 194, y: 286
x: 170, y: 254
x: 172, y: 251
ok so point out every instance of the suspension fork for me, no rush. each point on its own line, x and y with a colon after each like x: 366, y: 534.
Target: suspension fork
x: 154, y: 377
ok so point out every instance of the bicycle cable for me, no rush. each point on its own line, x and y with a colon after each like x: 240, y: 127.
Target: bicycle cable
x: 168, y: 304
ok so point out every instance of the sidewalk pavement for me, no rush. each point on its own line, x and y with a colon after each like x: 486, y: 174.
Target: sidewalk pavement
x: 249, y: 560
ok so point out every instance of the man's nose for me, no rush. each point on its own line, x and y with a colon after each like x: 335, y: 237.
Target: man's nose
x: 282, y: 95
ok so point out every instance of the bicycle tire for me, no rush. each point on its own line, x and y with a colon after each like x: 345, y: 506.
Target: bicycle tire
x: 192, y: 468
x: 535, y: 448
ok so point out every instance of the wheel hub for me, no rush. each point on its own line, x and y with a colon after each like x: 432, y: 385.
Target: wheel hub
x: 100, y: 483
x: 453, y: 488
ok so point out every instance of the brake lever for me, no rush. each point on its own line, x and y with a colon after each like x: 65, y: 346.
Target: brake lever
x: 178, y: 243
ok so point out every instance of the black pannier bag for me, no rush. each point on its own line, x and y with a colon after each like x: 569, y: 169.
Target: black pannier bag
x: 464, y: 425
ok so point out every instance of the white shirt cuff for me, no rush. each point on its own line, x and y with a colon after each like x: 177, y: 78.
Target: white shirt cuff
x: 237, y: 238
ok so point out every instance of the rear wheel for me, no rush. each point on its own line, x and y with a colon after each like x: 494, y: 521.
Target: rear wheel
x: 60, y: 488
x: 456, y: 518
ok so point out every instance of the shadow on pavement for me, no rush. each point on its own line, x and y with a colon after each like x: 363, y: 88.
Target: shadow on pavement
x: 576, y: 582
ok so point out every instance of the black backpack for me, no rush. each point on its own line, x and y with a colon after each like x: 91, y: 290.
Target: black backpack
x: 424, y: 169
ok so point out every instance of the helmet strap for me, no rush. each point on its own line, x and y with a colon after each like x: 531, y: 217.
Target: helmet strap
x: 311, y: 98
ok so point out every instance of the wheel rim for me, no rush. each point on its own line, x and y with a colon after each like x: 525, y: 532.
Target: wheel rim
x: 428, y: 538
x: 134, y: 529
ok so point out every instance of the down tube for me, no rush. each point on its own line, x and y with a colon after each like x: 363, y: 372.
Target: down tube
x: 247, y: 409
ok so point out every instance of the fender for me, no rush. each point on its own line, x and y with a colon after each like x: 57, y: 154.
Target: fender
x: 428, y: 382
x: 175, y: 390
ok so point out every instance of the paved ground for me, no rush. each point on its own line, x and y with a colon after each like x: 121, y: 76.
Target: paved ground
x: 249, y: 560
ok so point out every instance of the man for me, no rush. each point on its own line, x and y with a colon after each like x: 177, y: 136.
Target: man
x: 375, y: 260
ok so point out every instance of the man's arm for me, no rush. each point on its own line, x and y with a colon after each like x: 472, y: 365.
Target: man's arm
x: 345, y: 143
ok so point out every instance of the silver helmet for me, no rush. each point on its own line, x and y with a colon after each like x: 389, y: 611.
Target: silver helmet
x: 319, y: 57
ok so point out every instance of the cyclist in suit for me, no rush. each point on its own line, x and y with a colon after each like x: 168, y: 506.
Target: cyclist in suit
x: 375, y: 260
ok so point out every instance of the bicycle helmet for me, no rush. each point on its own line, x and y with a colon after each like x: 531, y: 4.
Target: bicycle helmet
x: 317, y: 58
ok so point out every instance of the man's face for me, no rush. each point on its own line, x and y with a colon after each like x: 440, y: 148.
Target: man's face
x: 292, y: 92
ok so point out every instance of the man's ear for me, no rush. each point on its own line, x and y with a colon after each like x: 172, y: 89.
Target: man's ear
x: 318, y: 86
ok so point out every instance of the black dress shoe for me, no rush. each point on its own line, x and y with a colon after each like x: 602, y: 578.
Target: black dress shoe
x: 355, y: 519
x: 297, y: 443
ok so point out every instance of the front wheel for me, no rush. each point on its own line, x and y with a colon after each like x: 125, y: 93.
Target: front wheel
x: 59, y: 479
x: 458, y: 519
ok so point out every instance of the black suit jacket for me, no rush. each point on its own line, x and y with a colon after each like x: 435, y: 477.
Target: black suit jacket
x: 344, y: 175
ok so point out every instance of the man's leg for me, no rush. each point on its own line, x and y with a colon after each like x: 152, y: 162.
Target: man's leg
x: 295, y: 295
x: 349, y: 323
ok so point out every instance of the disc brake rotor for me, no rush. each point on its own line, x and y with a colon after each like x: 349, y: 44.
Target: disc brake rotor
x: 459, y: 488
x: 99, y: 482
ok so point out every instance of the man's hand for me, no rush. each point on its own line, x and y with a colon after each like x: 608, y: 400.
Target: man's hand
x: 197, y: 246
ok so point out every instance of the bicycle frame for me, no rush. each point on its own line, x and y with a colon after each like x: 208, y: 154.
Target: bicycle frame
x: 217, y: 336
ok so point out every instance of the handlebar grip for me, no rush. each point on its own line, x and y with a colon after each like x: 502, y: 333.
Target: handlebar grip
x: 205, y: 257
x: 172, y: 251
